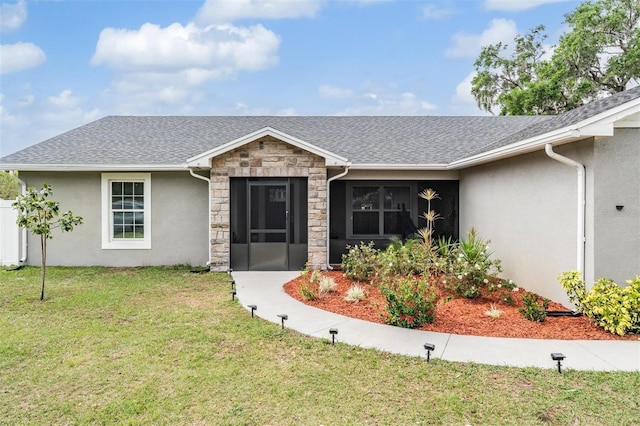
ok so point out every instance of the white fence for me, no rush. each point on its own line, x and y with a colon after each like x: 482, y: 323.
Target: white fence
x: 9, y: 234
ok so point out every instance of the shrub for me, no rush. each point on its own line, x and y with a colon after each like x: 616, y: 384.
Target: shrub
x: 411, y: 303
x: 360, y: 261
x: 309, y: 283
x: 615, y: 309
x: 326, y: 285
x: 355, y: 294
x: 574, y: 286
x: 472, y: 269
x: 445, y: 255
x: 401, y: 259
x: 505, y: 289
x: 534, y: 309
x: 309, y: 291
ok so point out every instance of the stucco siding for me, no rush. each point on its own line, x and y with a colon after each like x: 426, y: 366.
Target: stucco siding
x: 617, y: 232
x: 179, y: 222
x: 527, y: 207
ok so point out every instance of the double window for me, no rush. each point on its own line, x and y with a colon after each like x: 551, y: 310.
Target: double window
x: 126, y: 210
x: 378, y: 210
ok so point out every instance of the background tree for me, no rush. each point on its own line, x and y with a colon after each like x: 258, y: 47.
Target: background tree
x: 599, y: 55
x: 40, y: 216
x: 8, y: 186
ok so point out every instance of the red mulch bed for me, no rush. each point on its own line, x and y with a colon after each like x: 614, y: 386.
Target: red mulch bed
x: 463, y: 316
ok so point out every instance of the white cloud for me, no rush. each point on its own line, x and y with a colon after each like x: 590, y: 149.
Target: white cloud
x: 12, y: 16
x: 463, y: 102
x: 517, y: 5
x: 207, y: 53
x: 40, y: 119
x: 331, y: 92
x: 435, y: 12
x: 469, y: 45
x: 241, y: 108
x: 20, y: 56
x: 387, y: 101
x: 225, y: 11
x: 152, y: 93
x: 66, y: 99
x: 463, y: 91
x: 64, y: 111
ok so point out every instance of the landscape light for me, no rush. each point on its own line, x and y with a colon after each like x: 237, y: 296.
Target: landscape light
x: 429, y: 347
x: 333, y: 332
x: 229, y: 271
x: 233, y: 294
x: 233, y: 284
x: 557, y: 356
x: 283, y: 318
x: 253, y: 308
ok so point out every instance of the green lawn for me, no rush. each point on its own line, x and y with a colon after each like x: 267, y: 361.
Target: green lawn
x: 166, y: 346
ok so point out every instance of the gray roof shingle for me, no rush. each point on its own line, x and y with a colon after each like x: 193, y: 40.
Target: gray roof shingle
x: 171, y: 140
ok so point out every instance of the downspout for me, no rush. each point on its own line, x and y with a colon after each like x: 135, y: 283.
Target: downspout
x: 208, y: 180
x: 23, y: 190
x: 338, y: 176
x: 582, y: 189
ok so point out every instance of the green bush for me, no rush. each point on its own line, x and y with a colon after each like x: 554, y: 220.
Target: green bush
x: 572, y: 283
x: 360, y: 261
x: 610, y: 306
x: 309, y: 283
x: 401, y: 259
x: 534, y: 309
x: 472, y: 268
x: 411, y: 303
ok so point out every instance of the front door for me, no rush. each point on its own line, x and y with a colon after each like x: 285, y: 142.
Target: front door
x: 268, y: 224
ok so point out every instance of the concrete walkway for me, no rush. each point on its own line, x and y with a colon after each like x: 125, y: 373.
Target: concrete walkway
x: 264, y: 289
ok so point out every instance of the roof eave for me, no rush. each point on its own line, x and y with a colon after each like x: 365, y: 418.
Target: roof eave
x: 92, y: 167
x: 600, y: 125
x: 518, y: 148
x: 204, y: 159
x: 382, y: 166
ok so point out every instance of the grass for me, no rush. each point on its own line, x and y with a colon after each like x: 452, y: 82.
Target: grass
x: 166, y: 346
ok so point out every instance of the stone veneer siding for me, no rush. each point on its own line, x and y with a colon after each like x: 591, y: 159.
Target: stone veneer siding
x: 268, y: 157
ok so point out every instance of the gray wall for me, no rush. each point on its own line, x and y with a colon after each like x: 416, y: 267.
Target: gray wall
x: 527, y: 207
x: 179, y: 223
x: 617, y: 233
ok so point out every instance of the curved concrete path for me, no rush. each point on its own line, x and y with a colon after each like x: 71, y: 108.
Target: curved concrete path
x: 264, y: 289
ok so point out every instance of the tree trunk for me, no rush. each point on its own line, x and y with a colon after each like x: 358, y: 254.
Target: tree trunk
x: 43, y: 250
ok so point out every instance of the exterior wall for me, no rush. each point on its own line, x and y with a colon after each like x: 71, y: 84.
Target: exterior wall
x: 527, y: 207
x: 617, y: 232
x: 178, y: 226
x: 268, y: 157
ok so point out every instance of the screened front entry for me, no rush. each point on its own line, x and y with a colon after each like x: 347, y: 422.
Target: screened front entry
x: 268, y: 223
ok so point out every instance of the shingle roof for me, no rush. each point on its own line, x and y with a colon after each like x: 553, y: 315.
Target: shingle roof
x: 569, y: 118
x: 171, y: 140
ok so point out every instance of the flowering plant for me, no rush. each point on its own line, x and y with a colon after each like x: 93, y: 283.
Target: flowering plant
x: 411, y: 303
x: 472, y: 268
x: 360, y: 261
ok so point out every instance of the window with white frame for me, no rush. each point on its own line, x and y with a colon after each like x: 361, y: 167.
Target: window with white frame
x: 378, y: 210
x: 126, y: 210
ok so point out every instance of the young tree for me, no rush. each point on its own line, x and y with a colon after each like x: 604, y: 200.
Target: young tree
x: 599, y: 55
x: 41, y: 216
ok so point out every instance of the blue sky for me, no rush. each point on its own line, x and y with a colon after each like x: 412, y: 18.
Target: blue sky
x: 66, y: 63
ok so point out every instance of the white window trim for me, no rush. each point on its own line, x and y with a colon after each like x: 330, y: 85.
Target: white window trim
x: 109, y: 243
